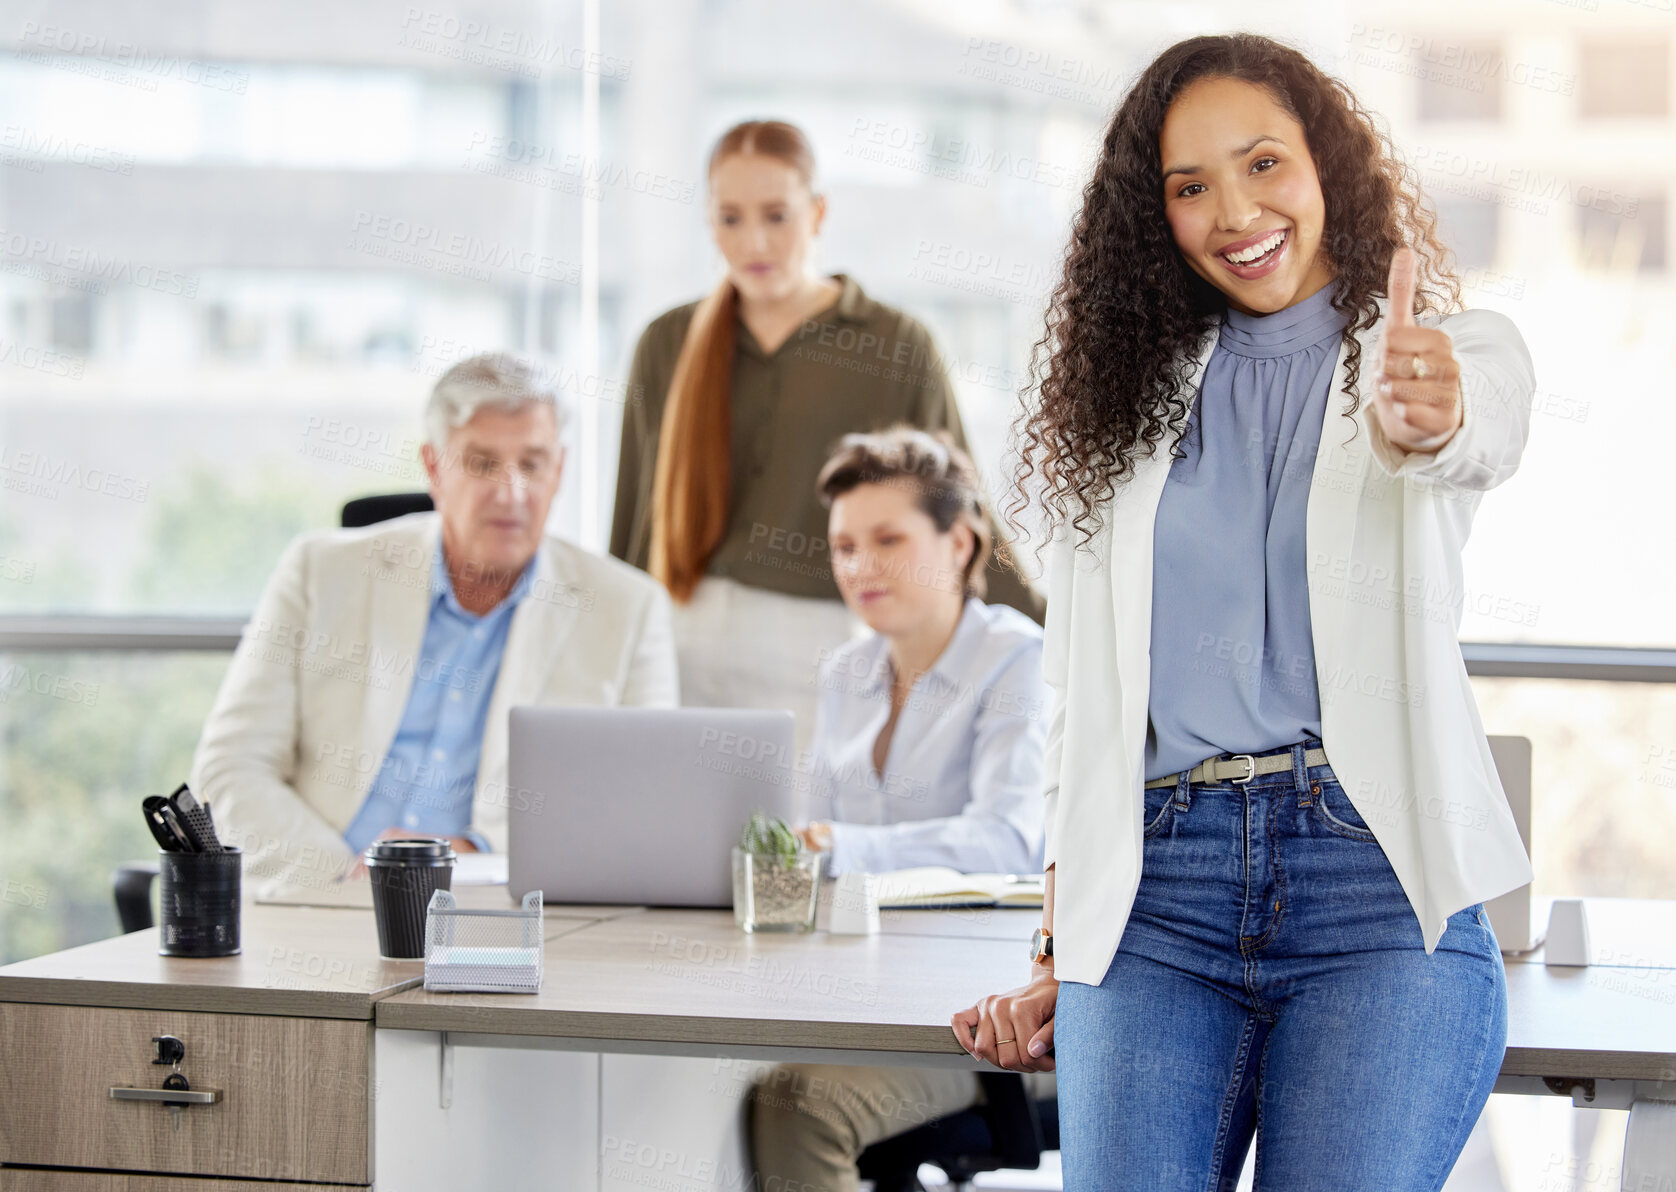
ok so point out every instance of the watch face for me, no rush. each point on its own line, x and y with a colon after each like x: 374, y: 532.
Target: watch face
x: 1041, y: 945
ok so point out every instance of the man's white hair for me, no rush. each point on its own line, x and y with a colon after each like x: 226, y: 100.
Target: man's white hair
x: 493, y: 380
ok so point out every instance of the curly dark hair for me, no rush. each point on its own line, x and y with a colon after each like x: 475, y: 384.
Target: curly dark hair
x: 1123, y: 322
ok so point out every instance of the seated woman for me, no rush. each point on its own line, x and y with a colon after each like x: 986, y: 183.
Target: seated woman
x: 927, y: 750
x: 928, y: 737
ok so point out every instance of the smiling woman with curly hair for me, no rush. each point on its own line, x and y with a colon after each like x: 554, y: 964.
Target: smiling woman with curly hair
x: 1125, y: 321
x: 1273, y: 818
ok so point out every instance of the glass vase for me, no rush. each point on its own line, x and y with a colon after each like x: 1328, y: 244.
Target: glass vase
x: 775, y: 891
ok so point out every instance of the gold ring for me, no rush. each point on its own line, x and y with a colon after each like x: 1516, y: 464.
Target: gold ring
x: 998, y: 1042
x: 1419, y: 368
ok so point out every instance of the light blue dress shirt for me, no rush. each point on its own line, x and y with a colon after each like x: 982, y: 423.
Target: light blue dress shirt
x: 962, y: 782
x: 430, y: 774
x: 1233, y: 659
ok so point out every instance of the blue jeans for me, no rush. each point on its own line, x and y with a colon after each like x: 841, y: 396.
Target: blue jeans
x: 1272, y: 981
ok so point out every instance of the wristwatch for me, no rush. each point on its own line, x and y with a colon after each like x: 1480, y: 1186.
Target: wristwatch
x: 1041, y: 945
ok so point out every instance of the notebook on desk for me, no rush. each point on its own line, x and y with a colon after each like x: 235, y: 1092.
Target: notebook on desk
x: 933, y: 886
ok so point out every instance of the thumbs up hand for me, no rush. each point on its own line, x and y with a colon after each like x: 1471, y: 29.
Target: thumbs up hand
x: 1418, y: 392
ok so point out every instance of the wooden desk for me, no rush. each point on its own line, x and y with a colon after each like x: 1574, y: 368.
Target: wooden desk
x: 629, y: 1066
x: 652, y: 1030
x: 692, y: 980
x: 303, y: 962
x: 284, y: 1032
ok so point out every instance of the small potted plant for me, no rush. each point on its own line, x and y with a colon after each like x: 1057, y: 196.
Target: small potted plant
x: 775, y: 878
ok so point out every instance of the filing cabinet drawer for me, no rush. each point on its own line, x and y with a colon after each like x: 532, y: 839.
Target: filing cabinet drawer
x: 27, y: 1179
x: 294, y: 1093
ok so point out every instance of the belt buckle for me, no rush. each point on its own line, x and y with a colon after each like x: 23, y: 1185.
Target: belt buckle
x: 1250, y: 767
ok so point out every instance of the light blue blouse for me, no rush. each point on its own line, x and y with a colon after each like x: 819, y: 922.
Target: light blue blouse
x: 1233, y: 662
x: 962, y: 781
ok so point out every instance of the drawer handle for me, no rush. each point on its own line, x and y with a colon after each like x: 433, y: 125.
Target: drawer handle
x: 167, y: 1096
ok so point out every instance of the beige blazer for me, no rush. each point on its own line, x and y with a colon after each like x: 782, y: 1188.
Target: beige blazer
x: 321, y: 677
x: 1384, y: 535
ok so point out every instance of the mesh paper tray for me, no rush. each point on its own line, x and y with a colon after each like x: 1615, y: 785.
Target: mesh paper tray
x: 472, y: 951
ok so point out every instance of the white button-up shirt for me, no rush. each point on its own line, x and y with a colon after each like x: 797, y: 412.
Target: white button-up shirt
x: 962, y: 782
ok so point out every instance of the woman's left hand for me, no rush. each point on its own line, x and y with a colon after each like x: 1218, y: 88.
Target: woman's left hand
x: 1419, y: 388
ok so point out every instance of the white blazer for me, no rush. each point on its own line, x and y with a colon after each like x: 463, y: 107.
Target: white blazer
x: 1398, y: 721
x: 321, y: 677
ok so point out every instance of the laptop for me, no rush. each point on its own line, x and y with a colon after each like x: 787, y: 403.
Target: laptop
x: 641, y: 806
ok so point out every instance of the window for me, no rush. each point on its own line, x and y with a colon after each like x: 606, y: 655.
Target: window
x: 1459, y: 80
x: 1469, y: 227
x: 1623, y: 233
x: 1624, y: 78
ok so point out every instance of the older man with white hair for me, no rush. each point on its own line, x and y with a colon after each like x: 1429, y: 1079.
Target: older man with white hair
x: 369, y: 695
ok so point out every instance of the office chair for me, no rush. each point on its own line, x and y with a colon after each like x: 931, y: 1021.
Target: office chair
x: 369, y: 511
x: 131, y: 886
x: 1007, y: 1130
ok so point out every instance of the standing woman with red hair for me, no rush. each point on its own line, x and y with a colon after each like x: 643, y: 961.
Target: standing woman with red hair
x: 735, y: 402
x: 1273, y: 818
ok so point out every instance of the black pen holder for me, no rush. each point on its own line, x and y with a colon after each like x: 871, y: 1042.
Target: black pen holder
x: 199, y: 896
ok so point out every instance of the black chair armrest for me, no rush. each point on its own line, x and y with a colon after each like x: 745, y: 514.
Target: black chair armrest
x: 131, y: 886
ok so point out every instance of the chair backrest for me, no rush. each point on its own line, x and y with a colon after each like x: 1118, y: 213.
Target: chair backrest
x: 1510, y: 913
x: 369, y: 511
x: 131, y: 887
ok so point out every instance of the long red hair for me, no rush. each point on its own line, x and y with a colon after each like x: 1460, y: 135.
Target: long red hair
x: 691, y: 486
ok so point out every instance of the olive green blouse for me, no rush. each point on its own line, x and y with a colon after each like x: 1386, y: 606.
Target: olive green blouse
x: 859, y: 365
